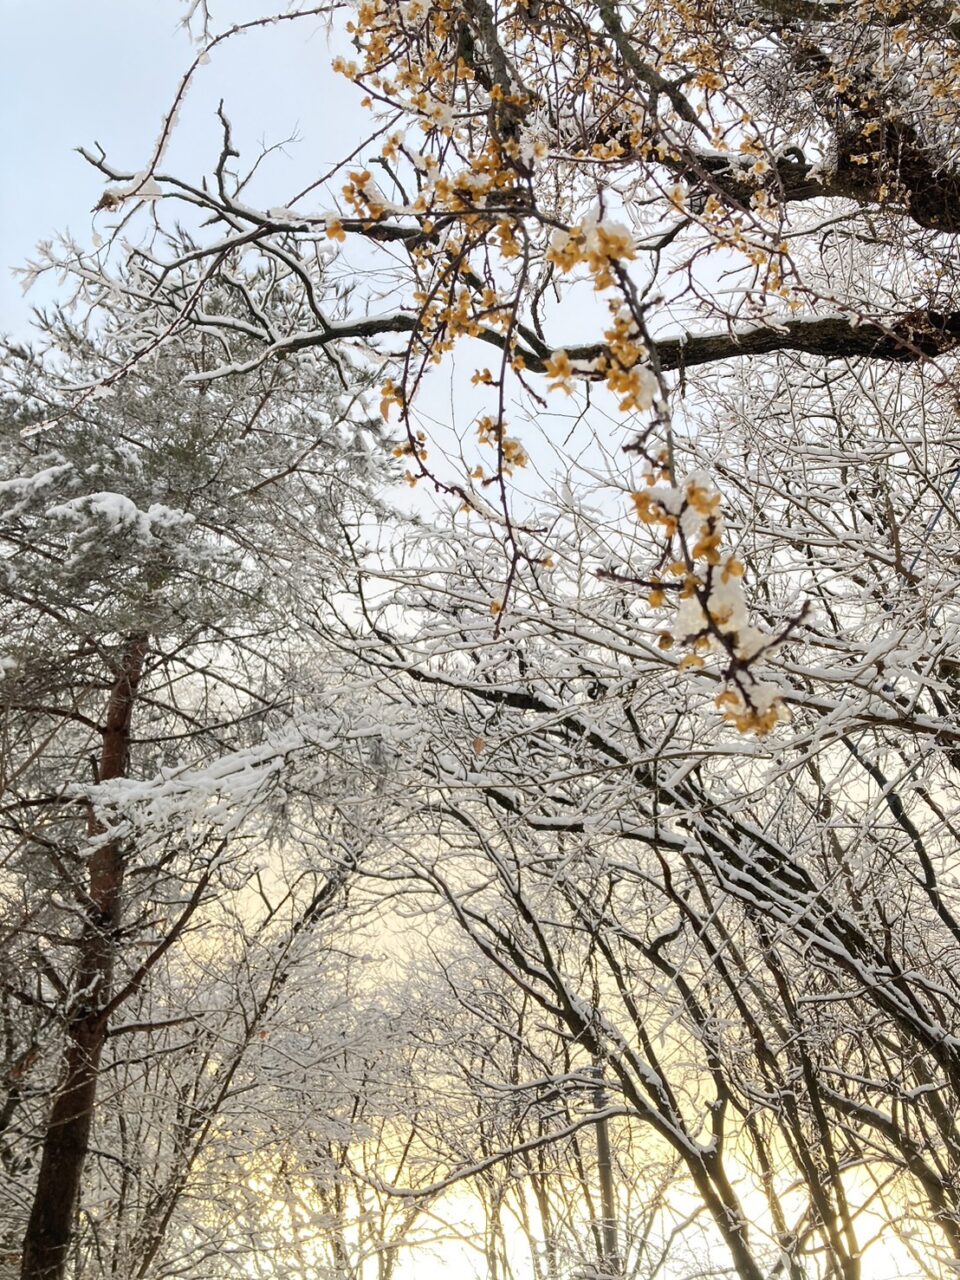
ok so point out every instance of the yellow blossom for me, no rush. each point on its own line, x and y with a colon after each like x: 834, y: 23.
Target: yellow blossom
x: 559, y: 368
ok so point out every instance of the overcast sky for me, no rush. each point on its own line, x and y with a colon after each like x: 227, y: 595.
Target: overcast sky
x: 105, y: 71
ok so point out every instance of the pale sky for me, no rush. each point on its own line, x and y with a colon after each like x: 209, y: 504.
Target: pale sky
x: 76, y: 72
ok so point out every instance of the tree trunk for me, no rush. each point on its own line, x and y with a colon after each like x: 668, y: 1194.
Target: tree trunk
x: 49, y: 1230
x: 610, y: 1264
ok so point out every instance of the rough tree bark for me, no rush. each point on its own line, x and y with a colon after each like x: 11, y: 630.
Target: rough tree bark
x: 67, y: 1135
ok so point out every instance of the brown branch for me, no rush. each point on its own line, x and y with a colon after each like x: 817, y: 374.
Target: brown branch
x: 935, y: 17
x: 913, y: 337
x: 898, y: 163
x: 646, y: 74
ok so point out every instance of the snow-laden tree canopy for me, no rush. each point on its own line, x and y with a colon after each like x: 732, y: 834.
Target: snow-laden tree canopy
x: 608, y: 766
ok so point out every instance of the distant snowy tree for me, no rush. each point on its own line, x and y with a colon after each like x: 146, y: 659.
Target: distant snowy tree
x: 159, y: 544
x: 758, y: 943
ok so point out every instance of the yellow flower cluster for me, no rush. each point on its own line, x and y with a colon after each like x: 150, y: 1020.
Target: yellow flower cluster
x: 636, y: 387
x: 711, y: 612
x: 415, y: 448
x: 749, y: 719
x: 626, y: 376
x: 599, y: 245
x: 559, y: 368
x: 363, y: 196
x: 510, y: 452
x: 389, y: 395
